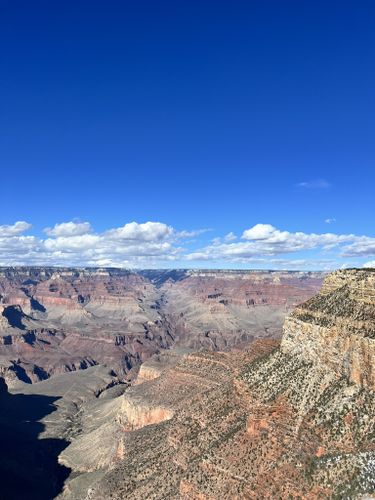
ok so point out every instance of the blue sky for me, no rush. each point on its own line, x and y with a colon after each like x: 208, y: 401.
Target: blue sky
x: 219, y: 116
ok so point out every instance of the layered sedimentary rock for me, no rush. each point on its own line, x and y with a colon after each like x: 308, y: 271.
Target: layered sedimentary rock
x: 64, y: 320
x: 221, y: 309
x: 270, y: 421
x: 336, y: 328
x: 58, y: 320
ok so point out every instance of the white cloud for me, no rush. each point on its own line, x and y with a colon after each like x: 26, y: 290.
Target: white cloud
x: 75, y: 243
x: 15, y: 229
x: 192, y: 234
x: 152, y: 244
x: 264, y: 240
x: 371, y: 263
x: 230, y: 237
x: 71, y: 243
x: 330, y: 221
x: 149, y: 231
x: 259, y: 232
x: 362, y: 246
x: 314, y: 184
x: 69, y: 229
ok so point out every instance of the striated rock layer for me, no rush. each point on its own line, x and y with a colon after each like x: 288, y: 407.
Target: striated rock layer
x: 295, y: 420
x: 59, y: 320
x: 337, y: 327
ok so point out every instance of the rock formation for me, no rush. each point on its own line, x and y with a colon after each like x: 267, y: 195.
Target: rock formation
x: 294, y: 420
x: 337, y: 327
x: 59, y: 320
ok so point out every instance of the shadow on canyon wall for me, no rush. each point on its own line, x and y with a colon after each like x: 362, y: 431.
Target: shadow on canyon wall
x: 28, y: 466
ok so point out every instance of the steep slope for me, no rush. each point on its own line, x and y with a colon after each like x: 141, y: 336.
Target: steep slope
x: 337, y: 327
x: 38, y: 421
x: 289, y: 421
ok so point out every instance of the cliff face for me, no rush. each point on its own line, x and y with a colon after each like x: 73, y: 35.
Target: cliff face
x: 336, y: 328
x: 289, y: 421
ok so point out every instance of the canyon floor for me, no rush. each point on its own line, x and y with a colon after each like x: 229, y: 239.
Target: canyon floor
x: 246, y: 416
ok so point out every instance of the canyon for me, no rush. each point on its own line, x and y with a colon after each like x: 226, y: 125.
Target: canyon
x: 60, y: 320
x: 262, y: 416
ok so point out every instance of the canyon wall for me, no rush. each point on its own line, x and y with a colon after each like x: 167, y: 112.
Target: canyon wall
x: 59, y: 320
x: 336, y: 328
x: 295, y: 420
x: 274, y: 419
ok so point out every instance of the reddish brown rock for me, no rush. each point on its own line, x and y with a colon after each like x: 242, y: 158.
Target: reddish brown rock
x: 58, y: 320
x: 266, y: 422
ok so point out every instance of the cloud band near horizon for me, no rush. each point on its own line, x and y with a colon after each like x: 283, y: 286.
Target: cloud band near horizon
x: 157, y: 244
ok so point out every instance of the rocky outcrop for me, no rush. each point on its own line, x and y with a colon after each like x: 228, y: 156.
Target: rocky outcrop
x: 155, y: 366
x: 336, y: 328
x: 137, y: 413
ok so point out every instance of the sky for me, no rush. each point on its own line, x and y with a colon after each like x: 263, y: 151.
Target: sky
x: 214, y: 134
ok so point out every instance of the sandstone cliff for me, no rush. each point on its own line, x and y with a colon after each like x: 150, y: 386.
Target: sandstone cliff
x: 336, y: 328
